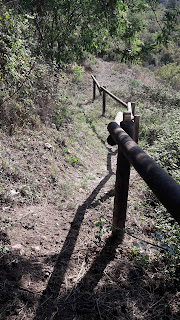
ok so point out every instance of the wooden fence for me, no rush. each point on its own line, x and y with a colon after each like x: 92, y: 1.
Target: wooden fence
x: 105, y: 91
x: 124, y: 132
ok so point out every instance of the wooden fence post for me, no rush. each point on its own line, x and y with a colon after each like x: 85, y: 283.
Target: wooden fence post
x: 94, y: 90
x: 133, y: 105
x: 121, y: 194
x: 104, y: 102
x: 122, y: 183
x: 136, y: 128
x: 131, y: 108
x: 127, y: 116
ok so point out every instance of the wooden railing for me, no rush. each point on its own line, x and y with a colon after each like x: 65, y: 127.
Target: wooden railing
x: 105, y: 91
x: 124, y: 132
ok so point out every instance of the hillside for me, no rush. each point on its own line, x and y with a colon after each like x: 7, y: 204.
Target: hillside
x: 58, y: 260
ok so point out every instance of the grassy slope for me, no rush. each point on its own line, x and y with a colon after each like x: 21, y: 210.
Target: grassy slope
x: 62, y: 168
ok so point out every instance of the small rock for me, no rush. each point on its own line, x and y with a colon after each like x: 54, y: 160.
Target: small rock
x: 53, y: 126
x: 14, y: 192
x: 46, y: 274
x: 6, y: 208
x: 17, y: 246
x: 36, y: 248
x: 48, y: 146
x: 44, y: 238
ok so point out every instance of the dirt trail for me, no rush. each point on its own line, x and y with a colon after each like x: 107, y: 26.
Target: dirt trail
x: 59, y: 268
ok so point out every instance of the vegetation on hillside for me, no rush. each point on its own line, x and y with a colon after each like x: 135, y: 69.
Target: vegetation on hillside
x: 53, y: 139
x: 39, y: 37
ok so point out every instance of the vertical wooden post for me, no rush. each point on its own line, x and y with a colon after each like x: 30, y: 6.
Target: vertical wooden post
x: 122, y: 183
x: 131, y: 108
x: 104, y: 102
x: 94, y: 90
x: 126, y: 116
x: 136, y: 128
x: 133, y: 105
x: 121, y: 194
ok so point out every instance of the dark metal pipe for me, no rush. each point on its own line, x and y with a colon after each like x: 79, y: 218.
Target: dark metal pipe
x: 164, y: 187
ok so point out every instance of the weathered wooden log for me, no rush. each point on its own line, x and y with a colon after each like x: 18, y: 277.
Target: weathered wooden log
x: 121, y: 185
x: 120, y: 194
x: 161, y: 183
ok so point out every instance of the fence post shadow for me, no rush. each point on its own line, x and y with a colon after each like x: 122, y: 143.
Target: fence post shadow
x: 51, y: 293
x: 82, y: 298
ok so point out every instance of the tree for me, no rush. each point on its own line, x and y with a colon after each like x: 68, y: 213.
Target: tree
x: 65, y: 29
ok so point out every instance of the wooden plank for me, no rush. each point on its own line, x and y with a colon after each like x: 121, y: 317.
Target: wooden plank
x: 119, y: 118
x: 128, y: 126
x: 131, y: 108
x: 114, y: 97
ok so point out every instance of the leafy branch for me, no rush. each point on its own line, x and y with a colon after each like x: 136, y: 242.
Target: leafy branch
x: 21, y: 85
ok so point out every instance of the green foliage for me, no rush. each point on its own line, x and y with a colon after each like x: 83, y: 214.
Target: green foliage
x: 100, y: 224
x: 16, y: 60
x: 27, y: 85
x: 77, y: 72
x: 160, y: 132
x: 61, y: 116
x: 171, y: 74
x: 141, y: 258
x: 159, y: 135
x: 70, y: 158
x: 64, y: 30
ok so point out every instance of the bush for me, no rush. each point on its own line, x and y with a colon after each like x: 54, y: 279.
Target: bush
x: 77, y: 72
x: 170, y: 73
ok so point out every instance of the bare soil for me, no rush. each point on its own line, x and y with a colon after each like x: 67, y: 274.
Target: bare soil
x: 54, y: 263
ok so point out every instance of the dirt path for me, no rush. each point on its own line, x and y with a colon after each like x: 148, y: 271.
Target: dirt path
x: 61, y: 267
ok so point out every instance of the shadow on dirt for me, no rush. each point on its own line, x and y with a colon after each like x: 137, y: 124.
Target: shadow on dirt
x: 51, y: 294
x: 82, y: 302
x: 112, y: 289
x: 14, y: 268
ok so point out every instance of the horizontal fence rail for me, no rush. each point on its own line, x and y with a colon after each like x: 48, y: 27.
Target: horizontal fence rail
x: 163, y: 186
x: 114, y: 97
x: 104, y: 92
x: 124, y: 132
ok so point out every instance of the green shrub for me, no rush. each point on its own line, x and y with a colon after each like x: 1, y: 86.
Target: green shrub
x: 77, y: 73
x: 170, y: 73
